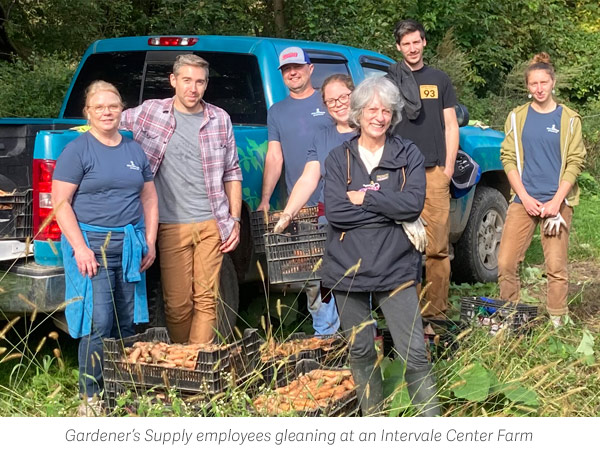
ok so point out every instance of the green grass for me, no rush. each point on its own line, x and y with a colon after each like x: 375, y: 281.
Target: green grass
x: 543, y: 373
x: 38, y: 371
x: 584, y: 241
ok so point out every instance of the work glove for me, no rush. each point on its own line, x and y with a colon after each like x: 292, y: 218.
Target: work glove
x: 416, y: 233
x: 552, y: 225
x: 282, y: 223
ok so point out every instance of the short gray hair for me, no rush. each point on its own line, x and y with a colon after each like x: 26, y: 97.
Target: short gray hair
x: 364, y: 93
x: 189, y: 60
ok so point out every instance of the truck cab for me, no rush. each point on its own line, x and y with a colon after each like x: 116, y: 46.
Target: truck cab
x: 243, y: 80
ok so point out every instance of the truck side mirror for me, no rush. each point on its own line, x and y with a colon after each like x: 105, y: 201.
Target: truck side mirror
x: 462, y: 115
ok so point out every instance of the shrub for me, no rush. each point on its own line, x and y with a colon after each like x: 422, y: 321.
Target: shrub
x: 34, y: 87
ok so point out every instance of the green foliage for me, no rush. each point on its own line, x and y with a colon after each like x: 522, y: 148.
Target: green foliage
x: 590, y: 124
x: 588, y: 184
x: 223, y: 17
x: 34, y: 87
x: 473, y: 383
x: 482, y: 45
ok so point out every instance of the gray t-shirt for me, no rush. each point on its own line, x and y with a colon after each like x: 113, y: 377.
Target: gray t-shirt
x: 541, y: 154
x: 180, y: 184
x: 293, y: 123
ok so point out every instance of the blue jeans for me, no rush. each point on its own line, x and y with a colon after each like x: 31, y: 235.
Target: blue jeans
x: 324, y: 315
x: 112, y: 316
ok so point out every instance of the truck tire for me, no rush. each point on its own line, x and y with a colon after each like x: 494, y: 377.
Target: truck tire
x: 476, y: 252
x: 229, y: 299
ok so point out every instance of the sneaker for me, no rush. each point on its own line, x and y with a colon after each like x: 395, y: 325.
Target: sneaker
x: 91, y: 407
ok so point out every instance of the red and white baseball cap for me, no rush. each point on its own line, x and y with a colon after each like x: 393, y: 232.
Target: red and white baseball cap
x: 293, y: 55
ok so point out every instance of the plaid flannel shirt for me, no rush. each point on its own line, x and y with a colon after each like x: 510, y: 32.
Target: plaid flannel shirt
x: 153, y: 124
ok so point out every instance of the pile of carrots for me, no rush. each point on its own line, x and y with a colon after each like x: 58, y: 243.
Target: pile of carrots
x: 167, y: 355
x: 317, y: 389
x: 271, y: 349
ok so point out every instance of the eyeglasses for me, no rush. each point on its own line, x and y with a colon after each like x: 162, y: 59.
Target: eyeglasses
x: 343, y: 99
x: 100, y: 109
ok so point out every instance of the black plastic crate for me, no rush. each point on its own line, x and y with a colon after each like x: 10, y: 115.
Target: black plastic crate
x: 279, y: 370
x: 114, y: 390
x: 497, y: 314
x: 346, y: 406
x: 260, y: 226
x: 214, y: 370
x: 16, y: 216
x: 293, y: 257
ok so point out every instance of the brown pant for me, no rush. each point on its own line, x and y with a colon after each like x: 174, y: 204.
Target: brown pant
x: 437, y: 263
x: 516, y: 238
x: 190, y: 262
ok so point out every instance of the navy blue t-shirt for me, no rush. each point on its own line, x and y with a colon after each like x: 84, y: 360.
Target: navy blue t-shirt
x: 541, y: 154
x: 325, y: 140
x: 293, y: 123
x: 109, y: 180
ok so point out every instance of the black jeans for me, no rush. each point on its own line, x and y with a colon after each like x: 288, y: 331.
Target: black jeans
x: 403, y: 318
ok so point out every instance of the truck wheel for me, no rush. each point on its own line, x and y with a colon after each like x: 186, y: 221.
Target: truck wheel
x: 229, y: 299
x: 476, y: 252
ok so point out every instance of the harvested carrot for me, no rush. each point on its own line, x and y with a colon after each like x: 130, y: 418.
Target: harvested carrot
x: 317, y: 389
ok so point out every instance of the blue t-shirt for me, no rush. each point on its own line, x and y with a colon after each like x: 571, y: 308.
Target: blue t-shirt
x: 325, y: 140
x: 292, y: 123
x: 541, y: 154
x: 109, y: 180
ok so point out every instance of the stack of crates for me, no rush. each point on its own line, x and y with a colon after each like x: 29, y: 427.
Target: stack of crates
x: 16, y: 216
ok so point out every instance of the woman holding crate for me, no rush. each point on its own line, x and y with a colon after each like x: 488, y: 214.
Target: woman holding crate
x: 336, y: 91
x: 542, y: 155
x: 374, y: 193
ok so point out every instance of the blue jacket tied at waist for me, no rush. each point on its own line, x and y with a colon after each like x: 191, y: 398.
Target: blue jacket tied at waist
x: 78, y: 288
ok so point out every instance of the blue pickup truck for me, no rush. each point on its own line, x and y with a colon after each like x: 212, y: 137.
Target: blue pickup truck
x: 244, y: 81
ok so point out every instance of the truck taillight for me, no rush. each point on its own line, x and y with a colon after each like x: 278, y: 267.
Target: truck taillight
x: 171, y: 41
x: 42, y: 201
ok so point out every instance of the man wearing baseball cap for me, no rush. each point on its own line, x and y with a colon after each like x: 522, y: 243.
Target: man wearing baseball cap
x: 291, y: 124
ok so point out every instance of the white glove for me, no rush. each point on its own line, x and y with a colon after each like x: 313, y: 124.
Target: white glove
x: 552, y: 225
x: 416, y: 233
x: 282, y: 223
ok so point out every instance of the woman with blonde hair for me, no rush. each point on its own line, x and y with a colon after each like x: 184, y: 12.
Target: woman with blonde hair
x: 542, y: 155
x: 106, y: 206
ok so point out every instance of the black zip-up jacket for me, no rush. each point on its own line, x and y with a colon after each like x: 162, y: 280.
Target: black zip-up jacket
x: 368, y: 232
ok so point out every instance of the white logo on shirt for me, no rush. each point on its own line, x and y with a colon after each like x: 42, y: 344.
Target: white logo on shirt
x: 553, y: 129
x: 317, y: 113
x: 132, y: 166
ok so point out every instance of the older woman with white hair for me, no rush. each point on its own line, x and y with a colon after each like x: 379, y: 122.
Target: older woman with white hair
x: 374, y: 193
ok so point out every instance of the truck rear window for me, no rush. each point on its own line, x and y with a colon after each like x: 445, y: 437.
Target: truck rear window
x: 234, y: 81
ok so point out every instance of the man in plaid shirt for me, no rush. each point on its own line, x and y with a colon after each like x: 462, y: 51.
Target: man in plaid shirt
x: 192, y: 152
